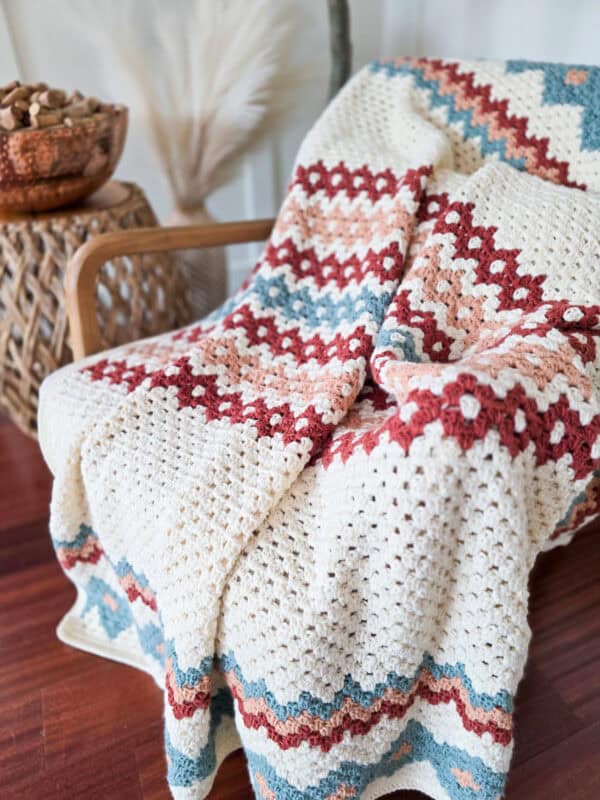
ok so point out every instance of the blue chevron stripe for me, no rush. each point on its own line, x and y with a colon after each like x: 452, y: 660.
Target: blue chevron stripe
x: 192, y: 675
x: 366, y: 698
x: 315, y: 308
x: 124, y: 568
x: 415, y: 744
x: 83, y: 534
x: 113, y: 610
x: 321, y: 309
x: 318, y: 309
x: 558, y: 91
x: 581, y: 498
x: 456, y: 116
x: 419, y: 745
x: 116, y: 617
x: 152, y: 641
x: 401, y: 341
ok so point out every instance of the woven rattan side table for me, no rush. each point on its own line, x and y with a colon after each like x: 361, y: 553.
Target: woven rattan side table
x: 137, y: 296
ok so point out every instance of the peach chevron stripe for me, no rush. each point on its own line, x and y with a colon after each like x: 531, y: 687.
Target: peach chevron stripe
x: 523, y: 359
x: 133, y: 590
x: 263, y: 787
x: 344, y: 792
x: 465, y: 779
x: 468, y: 95
x: 357, y: 719
x: 340, y: 227
x: 515, y: 416
x: 185, y: 700
x: 446, y: 288
x: 84, y: 549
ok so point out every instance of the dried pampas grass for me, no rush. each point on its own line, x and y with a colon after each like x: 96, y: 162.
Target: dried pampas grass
x: 208, y: 74
x: 207, y: 77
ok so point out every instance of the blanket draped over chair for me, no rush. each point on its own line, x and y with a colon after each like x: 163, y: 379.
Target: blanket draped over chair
x: 312, y: 516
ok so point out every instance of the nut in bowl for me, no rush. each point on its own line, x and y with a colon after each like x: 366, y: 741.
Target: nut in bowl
x: 55, y: 149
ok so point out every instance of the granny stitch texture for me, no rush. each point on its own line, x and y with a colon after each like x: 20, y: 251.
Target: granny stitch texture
x: 312, y: 516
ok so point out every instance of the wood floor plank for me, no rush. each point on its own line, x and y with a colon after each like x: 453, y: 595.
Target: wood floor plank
x: 570, y: 770
x: 21, y: 742
x: 152, y: 765
x: 114, y: 704
x: 543, y: 719
x: 565, y: 619
x: 232, y: 782
x: 110, y: 775
x: 25, y: 546
x: 32, y: 602
x: 580, y: 690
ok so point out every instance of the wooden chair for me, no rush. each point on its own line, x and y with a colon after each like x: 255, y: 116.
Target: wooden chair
x: 82, y: 271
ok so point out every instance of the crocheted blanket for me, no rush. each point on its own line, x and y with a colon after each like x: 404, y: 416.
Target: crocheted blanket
x: 312, y: 516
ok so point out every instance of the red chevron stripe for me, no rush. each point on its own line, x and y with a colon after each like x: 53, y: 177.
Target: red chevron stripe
x: 289, y: 341
x: 258, y: 331
x: 268, y: 420
x: 524, y: 292
x: 457, y: 219
x: 496, y: 413
x: 385, y: 265
x: 186, y: 700
x: 353, y: 182
x: 117, y: 372
x: 134, y: 591
x: 89, y: 553
x: 436, y: 342
x: 432, y: 206
x: 500, y: 123
x: 340, y: 179
x: 360, y: 727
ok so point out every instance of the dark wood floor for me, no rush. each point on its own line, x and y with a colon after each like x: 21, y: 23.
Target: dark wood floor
x: 75, y: 726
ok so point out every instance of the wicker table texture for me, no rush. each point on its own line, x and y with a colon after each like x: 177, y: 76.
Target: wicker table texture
x: 137, y: 296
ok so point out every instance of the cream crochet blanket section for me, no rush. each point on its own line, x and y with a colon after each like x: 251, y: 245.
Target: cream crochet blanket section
x: 312, y: 516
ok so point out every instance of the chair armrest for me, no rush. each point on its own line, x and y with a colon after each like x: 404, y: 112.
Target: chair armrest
x: 82, y: 270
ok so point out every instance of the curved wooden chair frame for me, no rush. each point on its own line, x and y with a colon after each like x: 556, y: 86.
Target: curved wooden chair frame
x: 83, y: 269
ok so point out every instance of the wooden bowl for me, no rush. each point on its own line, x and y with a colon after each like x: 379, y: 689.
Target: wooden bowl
x: 47, y: 168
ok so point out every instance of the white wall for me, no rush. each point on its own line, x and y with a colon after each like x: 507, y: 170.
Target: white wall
x: 39, y: 40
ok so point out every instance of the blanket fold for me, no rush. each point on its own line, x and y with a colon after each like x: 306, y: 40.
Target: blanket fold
x: 312, y: 516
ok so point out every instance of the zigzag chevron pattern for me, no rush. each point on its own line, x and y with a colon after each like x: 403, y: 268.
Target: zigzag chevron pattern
x: 348, y: 781
x: 463, y: 781
x: 584, y: 507
x: 357, y: 711
x: 85, y: 547
x: 353, y: 709
x: 481, y: 116
x: 307, y: 719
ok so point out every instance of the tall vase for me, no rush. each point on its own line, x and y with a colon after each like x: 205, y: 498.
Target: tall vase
x: 204, y: 270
